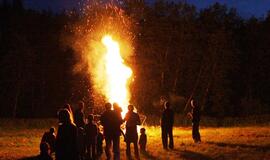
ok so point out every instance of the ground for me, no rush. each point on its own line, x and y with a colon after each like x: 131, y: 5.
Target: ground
x: 246, y: 143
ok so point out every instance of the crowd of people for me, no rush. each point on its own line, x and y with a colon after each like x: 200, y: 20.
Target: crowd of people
x: 80, y: 139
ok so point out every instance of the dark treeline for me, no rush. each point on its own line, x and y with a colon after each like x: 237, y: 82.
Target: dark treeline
x: 180, y: 52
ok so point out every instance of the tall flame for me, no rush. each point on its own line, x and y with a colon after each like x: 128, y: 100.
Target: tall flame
x: 117, y: 74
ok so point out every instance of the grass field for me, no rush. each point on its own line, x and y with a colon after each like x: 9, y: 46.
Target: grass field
x: 247, y: 143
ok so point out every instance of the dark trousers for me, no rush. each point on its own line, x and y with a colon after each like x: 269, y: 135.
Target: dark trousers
x: 136, y: 150
x: 91, y: 151
x: 195, y: 132
x: 112, y: 140
x: 165, y: 132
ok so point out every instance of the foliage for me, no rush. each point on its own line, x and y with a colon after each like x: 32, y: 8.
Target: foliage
x: 212, y: 54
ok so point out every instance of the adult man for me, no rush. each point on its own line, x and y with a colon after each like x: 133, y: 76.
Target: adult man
x: 111, y: 123
x: 133, y: 120
x: 167, y: 121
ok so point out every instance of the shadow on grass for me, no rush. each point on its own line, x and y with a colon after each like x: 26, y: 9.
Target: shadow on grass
x: 257, y: 147
x: 29, y: 158
x: 193, y: 155
x: 147, y: 155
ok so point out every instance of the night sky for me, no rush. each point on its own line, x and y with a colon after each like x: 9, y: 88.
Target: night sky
x: 246, y: 8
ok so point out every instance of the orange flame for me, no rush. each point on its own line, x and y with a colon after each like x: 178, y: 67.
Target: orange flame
x: 117, y: 74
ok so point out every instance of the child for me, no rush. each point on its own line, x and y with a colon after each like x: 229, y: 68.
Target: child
x: 100, y: 139
x: 91, y: 137
x: 143, y: 140
x: 49, y: 137
x: 44, y: 152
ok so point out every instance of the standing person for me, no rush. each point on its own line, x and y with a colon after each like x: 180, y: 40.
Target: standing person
x: 143, y: 140
x: 118, y: 110
x: 66, y: 138
x: 111, y: 123
x: 167, y: 121
x: 80, y: 123
x: 49, y: 137
x: 79, y: 115
x: 132, y: 120
x: 91, y: 132
x: 195, y: 115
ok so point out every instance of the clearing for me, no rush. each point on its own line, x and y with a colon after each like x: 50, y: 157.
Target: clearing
x: 217, y: 143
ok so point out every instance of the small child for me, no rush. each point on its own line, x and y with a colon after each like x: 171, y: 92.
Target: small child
x: 100, y: 139
x: 143, y: 140
x: 49, y: 137
x: 91, y: 133
x: 44, y: 152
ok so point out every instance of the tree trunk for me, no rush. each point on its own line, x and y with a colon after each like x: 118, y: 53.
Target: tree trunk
x: 15, y: 107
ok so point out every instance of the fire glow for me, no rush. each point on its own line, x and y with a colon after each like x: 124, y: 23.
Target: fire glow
x: 117, y: 74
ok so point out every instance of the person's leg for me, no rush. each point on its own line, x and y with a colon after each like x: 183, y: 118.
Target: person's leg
x: 116, y: 148
x: 94, y: 151
x: 88, y: 152
x: 170, y: 132
x: 108, y: 142
x: 194, y: 132
x: 197, y: 133
x: 128, y: 154
x: 136, y: 150
x: 164, y: 137
x: 91, y: 151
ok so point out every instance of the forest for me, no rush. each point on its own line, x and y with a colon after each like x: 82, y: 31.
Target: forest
x: 181, y: 52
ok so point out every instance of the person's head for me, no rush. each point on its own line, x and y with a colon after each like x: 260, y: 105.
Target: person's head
x: 64, y: 116
x: 167, y: 105
x: 90, y: 118
x: 108, y: 106
x: 44, y: 148
x: 116, y: 107
x: 52, y: 129
x: 142, y: 130
x: 68, y: 107
x: 130, y: 107
x: 81, y: 105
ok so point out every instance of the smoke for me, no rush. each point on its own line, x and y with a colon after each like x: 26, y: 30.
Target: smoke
x: 95, y: 20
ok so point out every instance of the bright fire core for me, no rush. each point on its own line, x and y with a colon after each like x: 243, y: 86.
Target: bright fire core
x: 117, y: 74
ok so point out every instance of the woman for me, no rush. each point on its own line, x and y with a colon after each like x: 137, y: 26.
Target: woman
x: 66, y: 139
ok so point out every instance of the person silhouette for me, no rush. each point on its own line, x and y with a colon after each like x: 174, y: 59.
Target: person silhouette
x: 91, y: 132
x: 118, y: 110
x: 132, y: 120
x: 143, y: 140
x: 44, y: 152
x: 195, y: 112
x: 79, y: 115
x: 66, y: 138
x: 49, y: 137
x: 167, y: 121
x: 111, y: 123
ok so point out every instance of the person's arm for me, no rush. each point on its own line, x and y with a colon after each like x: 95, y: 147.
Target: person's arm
x: 126, y: 117
x: 172, y: 117
x: 96, y: 130
x: 102, y: 119
x: 162, y: 118
x: 43, y: 138
x: 138, y: 120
